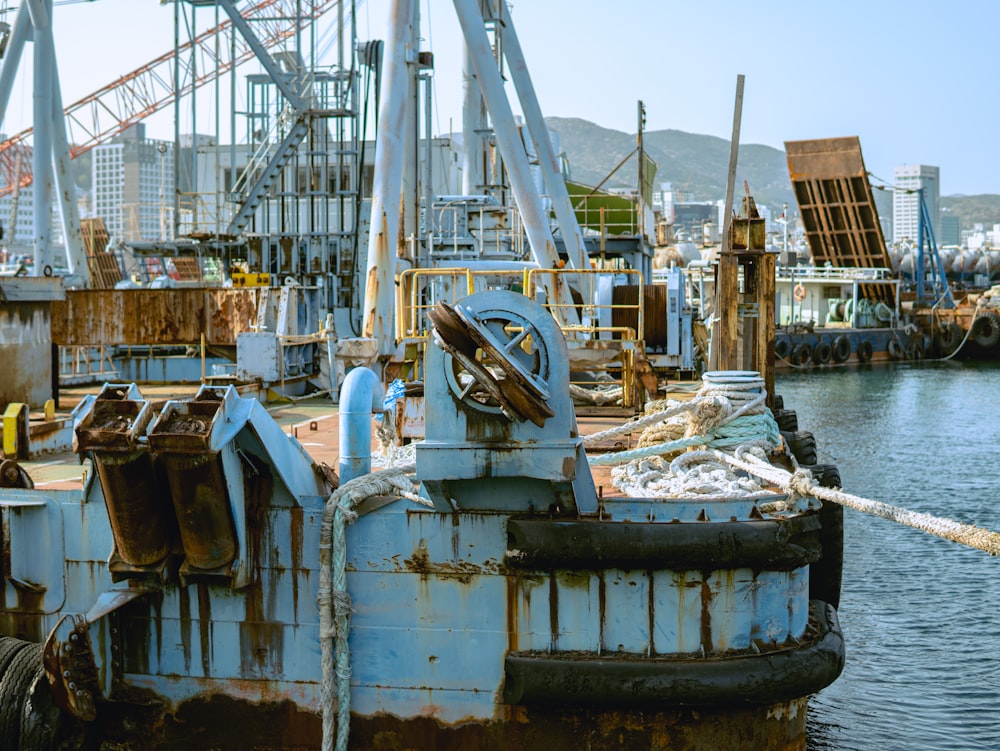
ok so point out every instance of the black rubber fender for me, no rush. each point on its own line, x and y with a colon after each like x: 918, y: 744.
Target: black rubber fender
x: 841, y: 348
x: 787, y: 419
x: 822, y: 353
x: 896, y: 351
x: 826, y: 575
x: 14, y: 686
x: 802, y: 354
x: 865, y: 351
x: 949, y: 337
x: 782, y: 348
x: 802, y: 444
x: 43, y: 723
x: 986, y: 330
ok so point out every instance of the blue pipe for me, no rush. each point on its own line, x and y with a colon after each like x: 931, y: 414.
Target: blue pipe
x: 361, y: 396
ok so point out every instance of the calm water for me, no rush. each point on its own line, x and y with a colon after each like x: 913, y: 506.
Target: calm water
x: 921, y: 616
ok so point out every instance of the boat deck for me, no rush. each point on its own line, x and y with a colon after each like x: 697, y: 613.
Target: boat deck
x: 315, y: 424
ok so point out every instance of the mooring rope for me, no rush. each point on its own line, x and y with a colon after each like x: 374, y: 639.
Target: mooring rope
x: 333, y: 599
x: 803, y: 483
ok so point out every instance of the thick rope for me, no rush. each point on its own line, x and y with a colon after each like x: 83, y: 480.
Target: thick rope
x: 333, y: 599
x: 719, y: 415
x: 803, y: 483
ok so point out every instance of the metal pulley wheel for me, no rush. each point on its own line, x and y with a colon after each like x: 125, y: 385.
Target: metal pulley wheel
x: 495, y: 341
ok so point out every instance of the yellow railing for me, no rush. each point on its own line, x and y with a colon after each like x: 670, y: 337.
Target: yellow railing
x: 419, y: 290
x: 587, y: 309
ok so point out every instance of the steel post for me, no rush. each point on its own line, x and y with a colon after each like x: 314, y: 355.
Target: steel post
x: 386, y: 191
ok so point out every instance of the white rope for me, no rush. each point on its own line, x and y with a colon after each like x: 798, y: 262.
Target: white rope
x: 722, y: 413
x: 599, y: 396
x: 332, y: 597
x: 803, y: 483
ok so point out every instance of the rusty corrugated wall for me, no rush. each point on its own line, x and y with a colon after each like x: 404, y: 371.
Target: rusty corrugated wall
x: 153, y: 316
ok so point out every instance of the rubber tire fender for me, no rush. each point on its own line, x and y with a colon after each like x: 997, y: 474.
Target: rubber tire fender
x: 826, y: 575
x: 782, y: 348
x: 786, y: 419
x: 896, y: 351
x: 949, y: 337
x: 42, y: 721
x: 986, y: 330
x: 841, y: 348
x: 802, y: 354
x: 864, y: 351
x: 822, y: 353
x: 802, y: 444
x: 14, y: 685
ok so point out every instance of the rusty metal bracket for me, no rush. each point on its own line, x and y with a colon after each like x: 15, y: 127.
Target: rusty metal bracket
x: 70, y: 668
x: 68, y: 657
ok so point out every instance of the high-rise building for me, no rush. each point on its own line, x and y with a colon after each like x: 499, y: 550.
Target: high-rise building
x: 133, y: 179
x: 908, y: 179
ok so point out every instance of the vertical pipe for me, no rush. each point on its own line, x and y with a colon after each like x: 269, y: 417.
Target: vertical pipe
x: 473, y: 125
x: 361, y: 396
x: 41, y: 160
x: 386, y: 191
x: 76, y: 260
x: 410, y: 205
x: 572, y: 236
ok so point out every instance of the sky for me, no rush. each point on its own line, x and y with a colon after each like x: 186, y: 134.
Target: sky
x: 915, y: 80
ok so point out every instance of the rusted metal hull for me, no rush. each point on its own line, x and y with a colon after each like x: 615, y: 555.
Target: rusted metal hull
x: 153, y: 316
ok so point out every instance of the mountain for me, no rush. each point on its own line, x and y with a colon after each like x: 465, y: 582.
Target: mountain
x: 697, y: 167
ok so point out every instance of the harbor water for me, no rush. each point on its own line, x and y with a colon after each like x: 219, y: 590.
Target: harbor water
x: 921, y: 615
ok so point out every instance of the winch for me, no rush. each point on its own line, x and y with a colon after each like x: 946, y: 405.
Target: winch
x: 501, y: 431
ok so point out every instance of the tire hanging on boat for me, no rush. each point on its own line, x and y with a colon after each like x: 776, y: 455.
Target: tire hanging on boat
x: 802, y: 354
x: 949, y: 337
x: 822, y: 353
x: 986, y: 330
x: 826, y: 574
x: 865, y: 351
x: 782, y: 348
x: 896, y: 351
x: 841, y: 348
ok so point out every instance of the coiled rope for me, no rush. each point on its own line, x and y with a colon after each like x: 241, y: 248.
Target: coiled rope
x: 332, y: 597
x: 726, y: 413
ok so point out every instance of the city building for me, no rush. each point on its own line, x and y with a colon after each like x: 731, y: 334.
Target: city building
x: 908, y: 179
x: 133, y: 179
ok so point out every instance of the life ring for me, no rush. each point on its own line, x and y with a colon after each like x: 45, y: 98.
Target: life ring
x: 799, y: 292
x: 986, y: 330
x: 895, y: 348
x: 822, y: 353
x: 841, y: 348
x: 864, y: 351
x: 782, y: 348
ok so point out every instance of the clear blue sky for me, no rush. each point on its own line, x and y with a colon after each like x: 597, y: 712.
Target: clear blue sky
x: 916, y: 80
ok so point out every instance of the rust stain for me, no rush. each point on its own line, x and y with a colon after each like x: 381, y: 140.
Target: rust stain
x: 706, y: 616
x: 205, y: 628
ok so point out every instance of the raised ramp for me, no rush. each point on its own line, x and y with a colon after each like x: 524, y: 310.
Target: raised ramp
x: 836, y: 202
